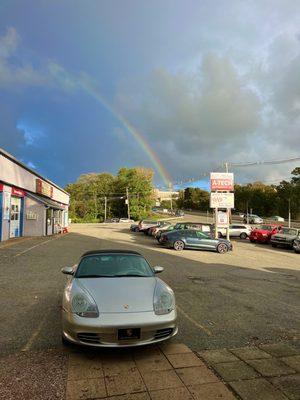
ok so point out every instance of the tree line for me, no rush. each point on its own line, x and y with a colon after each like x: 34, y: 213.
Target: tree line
x: 92, y: 191
x: 264, y: 200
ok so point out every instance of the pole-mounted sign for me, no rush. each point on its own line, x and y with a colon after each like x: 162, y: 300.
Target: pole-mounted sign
x: 221, y: 196
x: 221, y: 181
x: 221, y: 200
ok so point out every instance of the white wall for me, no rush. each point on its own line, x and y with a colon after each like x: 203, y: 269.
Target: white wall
x: 15, y: 175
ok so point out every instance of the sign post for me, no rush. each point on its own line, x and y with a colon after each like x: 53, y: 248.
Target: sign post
x: 221, y: 196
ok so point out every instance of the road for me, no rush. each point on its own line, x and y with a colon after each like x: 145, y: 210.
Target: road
x: 250, y: 295
x: 193, y: 215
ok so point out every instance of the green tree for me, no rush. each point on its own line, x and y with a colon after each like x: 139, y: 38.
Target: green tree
x: 138, y: 180
x: 87, y: 196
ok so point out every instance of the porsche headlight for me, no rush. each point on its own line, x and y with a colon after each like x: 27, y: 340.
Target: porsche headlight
x: 84, y: 306
x: 164, y: 300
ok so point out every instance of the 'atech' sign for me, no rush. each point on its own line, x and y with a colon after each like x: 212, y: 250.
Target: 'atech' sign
x: 221, y: 181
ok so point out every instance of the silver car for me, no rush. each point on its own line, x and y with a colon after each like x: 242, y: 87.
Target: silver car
x: 114, y: 299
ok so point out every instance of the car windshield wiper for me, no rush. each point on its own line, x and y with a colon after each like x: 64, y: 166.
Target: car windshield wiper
x: 130, y: 275
x: 95, y: 276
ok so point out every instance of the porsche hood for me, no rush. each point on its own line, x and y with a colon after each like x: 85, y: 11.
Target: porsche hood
x: 119, y: 295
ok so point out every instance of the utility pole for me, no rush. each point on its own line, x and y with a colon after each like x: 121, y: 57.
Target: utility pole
x: 127, y: 201
x: 105, y: 208
x: 289, y: 212
x: 170, y: 188
x: 247, y: 213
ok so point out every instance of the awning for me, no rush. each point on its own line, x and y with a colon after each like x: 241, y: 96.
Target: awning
x: 47, y: 202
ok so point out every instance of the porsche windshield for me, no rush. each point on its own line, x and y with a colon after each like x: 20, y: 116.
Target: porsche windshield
x: 113, y: 265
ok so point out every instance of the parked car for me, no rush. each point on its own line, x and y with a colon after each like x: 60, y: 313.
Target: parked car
x: 134, y: 227
x: 114, y: 299
x: 145, y: 224
x: 285, y: 237
x: 296, y: 245
x: 126, y: 220
x: 263, y: 233
x: 179, y: 213
x: 162, y: 225
x: 194, y: 239
x: 277, y: 218
x: 158, y: 230
x: 207, y: 228
x: 112, y: 220
x: 253, y: 219
x: 236, y: 230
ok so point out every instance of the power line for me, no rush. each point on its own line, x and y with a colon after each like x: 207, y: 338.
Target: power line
x: 272, y: 162
x: 183, y: 182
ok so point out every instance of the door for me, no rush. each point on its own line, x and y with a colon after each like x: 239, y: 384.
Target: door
x: 235, y: 230
x: 191, y: 238
x: 15, y: 217
x: 203, y: 241
x: 49, y: 221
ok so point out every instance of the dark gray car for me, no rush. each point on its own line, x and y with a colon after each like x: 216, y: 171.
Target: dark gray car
x: 285, y: 237
x: 194, y: 239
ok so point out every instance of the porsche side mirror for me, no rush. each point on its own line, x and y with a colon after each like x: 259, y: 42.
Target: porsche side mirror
x: 158, y: 269
x: 67, y: 270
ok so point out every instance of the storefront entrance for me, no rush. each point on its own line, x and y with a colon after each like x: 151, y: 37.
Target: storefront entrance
x: 15, y: 217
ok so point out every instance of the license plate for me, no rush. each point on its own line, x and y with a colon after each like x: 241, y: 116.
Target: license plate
x: 130, y: 333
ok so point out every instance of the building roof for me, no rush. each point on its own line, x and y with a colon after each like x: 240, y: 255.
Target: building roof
x: 13, y: 159
x: 47, y: 202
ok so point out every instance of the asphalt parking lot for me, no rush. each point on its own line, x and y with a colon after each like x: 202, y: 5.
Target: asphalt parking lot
x: 247, y: 297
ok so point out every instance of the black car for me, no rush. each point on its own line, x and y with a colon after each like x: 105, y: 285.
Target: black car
x: 134, y: 227
x: 194, y: 239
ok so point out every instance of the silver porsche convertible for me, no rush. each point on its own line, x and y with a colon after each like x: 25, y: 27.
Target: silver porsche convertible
x: 114, y: 299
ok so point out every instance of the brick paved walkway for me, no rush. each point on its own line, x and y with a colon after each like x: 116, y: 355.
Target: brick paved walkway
x: 173, y: 371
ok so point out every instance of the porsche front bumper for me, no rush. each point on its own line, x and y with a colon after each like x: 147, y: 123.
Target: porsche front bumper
x: 103, y: 331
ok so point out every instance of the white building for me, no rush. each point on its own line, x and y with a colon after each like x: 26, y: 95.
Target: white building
x: 164, y: 195
x: 30, y: 205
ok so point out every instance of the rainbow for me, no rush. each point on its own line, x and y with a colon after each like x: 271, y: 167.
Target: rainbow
x: 84, y: 83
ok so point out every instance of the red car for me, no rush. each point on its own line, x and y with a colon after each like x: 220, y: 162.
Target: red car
x: 263, y: 233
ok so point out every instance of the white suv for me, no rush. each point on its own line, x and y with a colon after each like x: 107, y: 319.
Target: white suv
x: 236, y: 230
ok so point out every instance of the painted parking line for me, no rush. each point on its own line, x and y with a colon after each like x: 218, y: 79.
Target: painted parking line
x: 37, y: 245
x: 195, y: 323
x: 35, y: 334
x: 9, y: 244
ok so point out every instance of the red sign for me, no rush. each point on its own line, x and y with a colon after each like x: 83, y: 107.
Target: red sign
x: 17, y: 192
x: 1, y: 187
x: 221, y: 181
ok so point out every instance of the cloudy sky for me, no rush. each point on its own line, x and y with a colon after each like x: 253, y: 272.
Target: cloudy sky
x: 184, y: 86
